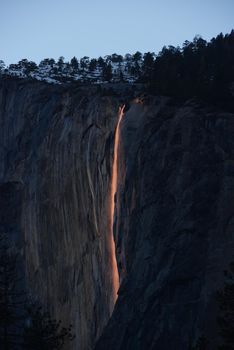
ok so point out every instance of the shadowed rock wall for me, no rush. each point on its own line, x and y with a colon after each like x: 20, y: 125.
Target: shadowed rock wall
x: 175, y: 233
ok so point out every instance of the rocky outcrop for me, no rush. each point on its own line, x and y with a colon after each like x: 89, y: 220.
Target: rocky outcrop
x: 174, y: 213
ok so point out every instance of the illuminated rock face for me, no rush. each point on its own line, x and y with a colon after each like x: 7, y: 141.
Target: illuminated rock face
x: 173, y: 221
x: 58, y: 147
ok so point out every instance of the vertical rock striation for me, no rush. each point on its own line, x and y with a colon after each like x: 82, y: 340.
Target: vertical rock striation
x: 58, y: 146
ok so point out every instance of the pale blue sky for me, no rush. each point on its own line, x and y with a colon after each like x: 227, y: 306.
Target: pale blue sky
x: 37, y: 29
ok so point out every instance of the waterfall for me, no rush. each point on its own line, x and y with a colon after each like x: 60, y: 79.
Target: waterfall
x: 114, y: 181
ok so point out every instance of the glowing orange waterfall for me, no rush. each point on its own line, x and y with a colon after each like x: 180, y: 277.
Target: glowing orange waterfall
x: 114, y: 181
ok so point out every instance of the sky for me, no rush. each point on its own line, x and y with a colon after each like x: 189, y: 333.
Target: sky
x: 37, y: 29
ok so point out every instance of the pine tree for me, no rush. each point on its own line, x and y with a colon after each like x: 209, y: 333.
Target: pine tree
x: 101, y: 62
x: 84, y: 62
x: 225, y: 299
x: 201, y: 344
x: 60, y: 64
x: 47, y: 62
x: 12, y: 296
x: 93, y: 64
x: 74, y: 64
x: 148, y: 61
x: 107, y: 72
x: 137, y: 56
x: 2, y: 66
x: 27, y: 66
x: 30, y: 329
x: 116, y: 58
x: 43, y: 332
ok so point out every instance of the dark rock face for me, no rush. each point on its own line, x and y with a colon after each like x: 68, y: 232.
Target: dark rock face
x: 175, y: 225
x: 174, y: 211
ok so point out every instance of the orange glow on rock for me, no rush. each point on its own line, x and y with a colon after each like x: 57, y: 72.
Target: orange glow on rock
x: 114, y: 181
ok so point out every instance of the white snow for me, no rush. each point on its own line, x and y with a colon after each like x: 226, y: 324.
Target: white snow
x: 54, y: 74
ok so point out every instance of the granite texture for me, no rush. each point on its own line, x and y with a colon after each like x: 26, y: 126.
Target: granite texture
x: 174, y: 217
x: 56, y: 147
x: 175, y: 224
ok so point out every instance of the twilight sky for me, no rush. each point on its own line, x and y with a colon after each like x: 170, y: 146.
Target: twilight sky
x: 37, y: 29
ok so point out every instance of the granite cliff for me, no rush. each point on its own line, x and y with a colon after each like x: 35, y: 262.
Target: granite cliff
x: 173, y: 221
x: 175, y: 224
x: 55, y: 168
